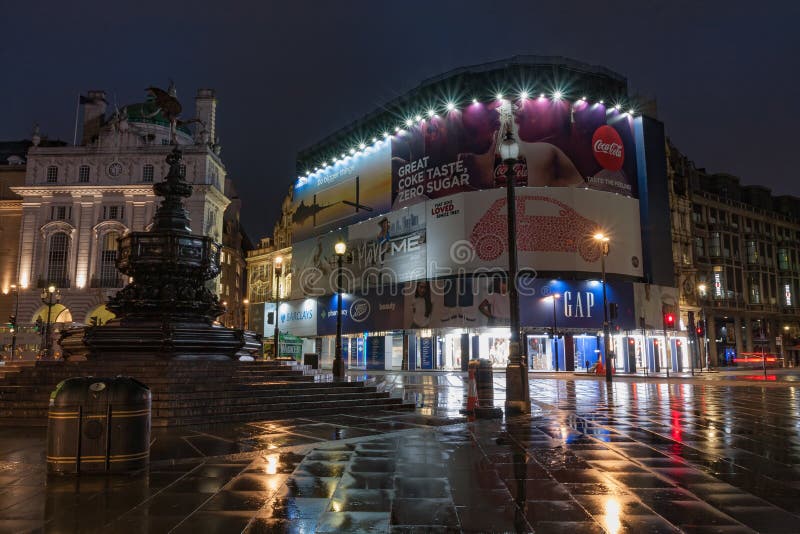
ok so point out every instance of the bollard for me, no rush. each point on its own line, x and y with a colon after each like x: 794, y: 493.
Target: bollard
x: 484, y: 380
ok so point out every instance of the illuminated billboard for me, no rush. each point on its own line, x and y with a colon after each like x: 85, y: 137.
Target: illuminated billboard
x: 352, y: 189
x: 555, y: 229
x: 467, y: 233
x: 560, y: 143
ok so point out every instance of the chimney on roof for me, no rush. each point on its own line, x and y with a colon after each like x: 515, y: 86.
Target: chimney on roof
x: 94, y: 114
x: 206, y: 111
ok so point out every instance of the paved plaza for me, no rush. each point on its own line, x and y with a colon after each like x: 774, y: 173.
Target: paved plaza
x: 715, y: 453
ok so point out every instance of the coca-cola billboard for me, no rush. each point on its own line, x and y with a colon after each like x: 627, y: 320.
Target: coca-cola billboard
x: 560, y: 143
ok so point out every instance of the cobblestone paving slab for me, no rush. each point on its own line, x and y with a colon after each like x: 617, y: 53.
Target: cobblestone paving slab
x: 640, y: 456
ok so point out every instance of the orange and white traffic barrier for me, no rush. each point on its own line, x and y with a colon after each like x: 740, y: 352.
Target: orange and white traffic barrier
x: 472, y: 391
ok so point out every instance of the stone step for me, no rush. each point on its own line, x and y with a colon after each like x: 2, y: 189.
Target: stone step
x: 206, y: 414
x: 285, y: 414
x: 276, y: 404
x: 42, y: 391
x: 152, y: 380
x: 198, y: 390
x: 238, y: 397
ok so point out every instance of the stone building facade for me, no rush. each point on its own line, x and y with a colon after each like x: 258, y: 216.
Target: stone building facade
x: 736, y: 251
x: 262, y: 278
x: 77, y: 200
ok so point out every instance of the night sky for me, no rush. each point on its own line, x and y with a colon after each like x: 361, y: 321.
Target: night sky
x: 725, y: 74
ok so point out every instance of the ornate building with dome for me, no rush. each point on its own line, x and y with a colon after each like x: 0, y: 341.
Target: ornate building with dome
x: 77, y: 200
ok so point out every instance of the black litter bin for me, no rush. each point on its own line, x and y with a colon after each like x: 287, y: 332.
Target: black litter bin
x: 312, y: 359
x: 98, y: 425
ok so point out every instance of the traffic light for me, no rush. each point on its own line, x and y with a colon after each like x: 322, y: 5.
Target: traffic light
x: 701, y: 328
x: 613, y: 311
x: 38, y: 325
x: 12, y: 323
x: 669, y: 321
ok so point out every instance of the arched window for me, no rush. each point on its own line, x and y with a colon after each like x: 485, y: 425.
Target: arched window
x: 109, y: 276
x: 57, y: 259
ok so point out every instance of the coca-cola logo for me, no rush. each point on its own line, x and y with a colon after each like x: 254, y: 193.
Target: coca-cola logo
x: 520, y: 171
x: 608, y: 149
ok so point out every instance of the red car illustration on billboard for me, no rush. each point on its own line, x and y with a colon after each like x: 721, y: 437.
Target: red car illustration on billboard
x: 568, y: 231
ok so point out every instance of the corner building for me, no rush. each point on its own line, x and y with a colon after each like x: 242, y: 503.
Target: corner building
x: 417, y: 191
x: 737, y: 264
x: 78, y: 200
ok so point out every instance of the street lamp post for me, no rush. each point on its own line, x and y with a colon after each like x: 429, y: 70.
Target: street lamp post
x: 245, y: 307
x: 783, y: 342
x: 554, y: 297
x: 518, y: 398
x: 278, y: 269
x: 602, y: 241
x: 50, y: 297
x: 340, y: 249
x: 15, y: 321
x: 701, y: 289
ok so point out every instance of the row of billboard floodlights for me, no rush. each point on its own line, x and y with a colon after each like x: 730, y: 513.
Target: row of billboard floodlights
x: 432, y: 113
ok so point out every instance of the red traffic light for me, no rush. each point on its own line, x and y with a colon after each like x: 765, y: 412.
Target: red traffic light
x: 669, y: 319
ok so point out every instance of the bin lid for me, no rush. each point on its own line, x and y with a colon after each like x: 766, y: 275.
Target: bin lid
x: 91, y: 391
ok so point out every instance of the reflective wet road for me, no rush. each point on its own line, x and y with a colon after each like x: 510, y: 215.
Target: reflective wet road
x: 713, y: 454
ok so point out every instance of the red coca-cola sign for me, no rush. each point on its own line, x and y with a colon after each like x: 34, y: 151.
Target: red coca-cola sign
x: 607, y: 148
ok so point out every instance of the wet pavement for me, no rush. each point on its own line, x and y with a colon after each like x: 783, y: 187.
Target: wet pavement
x: 713, y: 454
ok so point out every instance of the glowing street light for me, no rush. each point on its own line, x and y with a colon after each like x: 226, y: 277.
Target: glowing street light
x: 340, y: 248
x: 602, y: 241
x: 278, y: 264
x: 50, y: 297
x: 518, y: 398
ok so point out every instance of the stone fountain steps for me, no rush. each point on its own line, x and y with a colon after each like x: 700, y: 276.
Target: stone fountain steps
x: 389, y: 404
x: 226, y: 407
x: 199, y: 392
x: 31, y: 398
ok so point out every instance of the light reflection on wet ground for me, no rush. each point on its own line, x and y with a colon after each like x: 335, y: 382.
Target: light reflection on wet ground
x: 659, y: 456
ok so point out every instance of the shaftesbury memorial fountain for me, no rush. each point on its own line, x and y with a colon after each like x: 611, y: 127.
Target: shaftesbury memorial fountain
x: 166, y: 311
